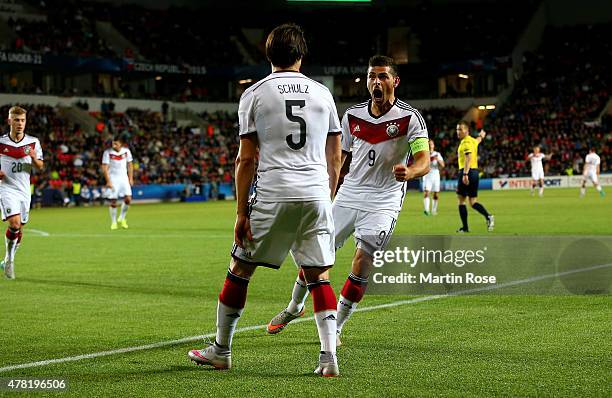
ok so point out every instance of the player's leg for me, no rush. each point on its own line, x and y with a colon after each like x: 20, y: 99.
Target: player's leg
x: 354, y: 288
x: 25, y: 217
x: 11, y: 240
x: 230, y: 306
x: 597, y: 185
x: 463, y: 214
x: 125, y: 191
x: 434, y: 206
x: 462, y: 193
x: 533, y: 185
x: 314, y: 249
x: 127, y: 200
x: 436, y: 190
x: 472, y: 195
x: 270, y: 245
x: 490, y: 219
x: 583, y: 186
x: 324, y: 303
x: 112, y: 209
x: 372, y: 233
x: 541, y: 185
x: 11, y: 208
x: 426, y: 202
x: 344, y: 225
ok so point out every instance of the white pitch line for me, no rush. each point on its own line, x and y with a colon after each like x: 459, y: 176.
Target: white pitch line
x: 310, y: 318
x: 125, y: 235
x: 37, y: 232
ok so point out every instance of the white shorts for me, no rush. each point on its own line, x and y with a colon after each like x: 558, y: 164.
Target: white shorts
x: 14, y: 204
x: 121, y: 188
x: 537, y: 175
x: 431, y: 182
x: 372, y: 230
x: 591, y: 176
x: 306, y: 229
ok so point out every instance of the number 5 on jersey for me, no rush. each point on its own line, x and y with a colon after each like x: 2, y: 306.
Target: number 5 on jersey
x: 289, y: 104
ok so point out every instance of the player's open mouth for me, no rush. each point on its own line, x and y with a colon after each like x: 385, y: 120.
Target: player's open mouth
x: 377, y: 94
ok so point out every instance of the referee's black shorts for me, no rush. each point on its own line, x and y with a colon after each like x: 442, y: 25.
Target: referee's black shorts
x: 471, y: 189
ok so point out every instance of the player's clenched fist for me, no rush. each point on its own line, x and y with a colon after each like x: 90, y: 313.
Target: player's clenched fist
x: 401, y: 172
x: 1, y: 174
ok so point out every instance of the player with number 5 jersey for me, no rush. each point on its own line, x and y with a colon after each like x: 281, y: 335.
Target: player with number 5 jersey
x: 293, y: 122
x: 380, y: 134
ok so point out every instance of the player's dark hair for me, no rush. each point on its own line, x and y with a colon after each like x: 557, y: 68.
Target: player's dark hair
x: 286, y: 45
x: 119, y: 138
x: 383, y: 60
x: 464, y: 123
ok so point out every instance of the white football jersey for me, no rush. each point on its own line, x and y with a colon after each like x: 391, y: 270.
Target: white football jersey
x: 434, y: 158
x: 590, y: 163
x: 377, y: 144
x: 536, y: 161
x: 292, y: 116
x: 16, y: 164
x: 117, y: 162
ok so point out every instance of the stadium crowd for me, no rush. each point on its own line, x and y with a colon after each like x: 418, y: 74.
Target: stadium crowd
x: 163, y: 152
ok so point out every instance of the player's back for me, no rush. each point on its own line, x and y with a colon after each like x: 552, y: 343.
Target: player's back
x: 292, y: 116
x: 591, y: 161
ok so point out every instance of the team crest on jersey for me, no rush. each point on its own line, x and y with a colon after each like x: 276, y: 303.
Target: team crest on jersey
x: 26, y: 150
x: 392, y: 129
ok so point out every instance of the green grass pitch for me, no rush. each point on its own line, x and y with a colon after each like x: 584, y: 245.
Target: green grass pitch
x: 84, y: 289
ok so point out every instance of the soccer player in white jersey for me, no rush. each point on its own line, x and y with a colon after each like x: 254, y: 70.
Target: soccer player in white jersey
x: 293, y: 122
x: 431, y: 180
x: 380, y: 134
x: 590, y: 172
x: 119, y: 174
x: 18, y: 153
x: 537, y: 169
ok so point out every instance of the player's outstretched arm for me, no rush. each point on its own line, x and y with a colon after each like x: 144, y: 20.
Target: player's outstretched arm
x: 245, y: 171
x: 333, y: 154
x: 481, y: 136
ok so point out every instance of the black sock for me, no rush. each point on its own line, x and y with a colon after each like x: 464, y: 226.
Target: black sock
x: 480, y: 208
x: 463, y: 214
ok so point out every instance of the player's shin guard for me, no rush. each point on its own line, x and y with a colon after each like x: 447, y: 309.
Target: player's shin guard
x: 464, y: 216
x: 298, y: 295
x: 124, y: 210
x: 426, y: 204
x: 352, y: 293
x: 113, y: 213
x: 229, y: 308
x: 324, y: 301
x: 480, y: 208
x: 11, y: 239
x: 434, y: 206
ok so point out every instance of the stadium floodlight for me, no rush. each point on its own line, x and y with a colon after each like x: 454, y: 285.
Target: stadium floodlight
x: 357, y: 80
x: 463, y: 76
x: 482, y: 107
x: 158, y: 77
x: 489, y: 107
x: 245, y: 81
